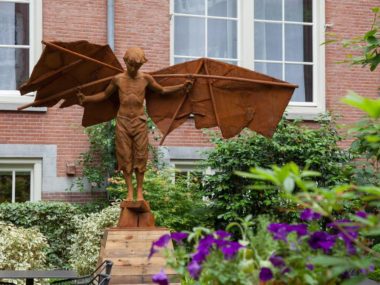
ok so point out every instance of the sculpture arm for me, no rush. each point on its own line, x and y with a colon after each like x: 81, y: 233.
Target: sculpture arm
x: 156, y: 87
x: 98, y: 97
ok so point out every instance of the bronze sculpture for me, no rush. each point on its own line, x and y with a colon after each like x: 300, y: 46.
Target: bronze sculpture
x: 216, y: 93
x: 131, y: 128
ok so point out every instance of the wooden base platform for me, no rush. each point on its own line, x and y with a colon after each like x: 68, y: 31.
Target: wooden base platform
x: 129, y: 248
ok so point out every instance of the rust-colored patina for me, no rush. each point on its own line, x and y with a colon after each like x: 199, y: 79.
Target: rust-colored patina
x: 216, y: 93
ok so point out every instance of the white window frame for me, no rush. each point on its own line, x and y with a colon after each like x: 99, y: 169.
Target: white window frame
x: 301, y: 110
x: 32, y: 165
x: 35, y: 50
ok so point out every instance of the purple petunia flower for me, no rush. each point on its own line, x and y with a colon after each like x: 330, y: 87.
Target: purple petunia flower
x: 362, y: 214
x: 194, y: 269
x: 279, y: 231
x: 265, y: 274
x: 178, y: 237
x: 152, y: 252
x: 309, y: 215
x: 200, y: 255
x: 285, y: 270
x: 230, y: 249
x: 162, y: 241
x: 222, y: 234
x: 351, y: 233
x: 300, y: 229
x: 310, y: 266
x: 160, y: 278
x: 277, y: 261
x: 322, y: 240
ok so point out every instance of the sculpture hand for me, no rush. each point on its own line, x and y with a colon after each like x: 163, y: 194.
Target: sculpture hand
x: 81, y: 97
x: 188, y: 85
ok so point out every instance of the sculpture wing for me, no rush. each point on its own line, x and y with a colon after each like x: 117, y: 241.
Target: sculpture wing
x: 223, y: 95
x: 66, y: 66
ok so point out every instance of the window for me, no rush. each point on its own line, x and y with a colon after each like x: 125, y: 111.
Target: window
x: 281, y: 38
x: 20, y: 45
x: 20, y: 180
x: 206, y: 30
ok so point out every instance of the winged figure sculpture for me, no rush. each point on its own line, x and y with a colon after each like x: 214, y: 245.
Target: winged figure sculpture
x: 218, y: 95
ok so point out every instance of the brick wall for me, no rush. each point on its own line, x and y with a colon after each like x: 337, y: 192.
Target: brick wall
x: 146, y: 24
x: 348, y: 18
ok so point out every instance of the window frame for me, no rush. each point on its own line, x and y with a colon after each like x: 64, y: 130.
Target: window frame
x: 32, y: 165
x: 10, y: 97
x: 245, y: 42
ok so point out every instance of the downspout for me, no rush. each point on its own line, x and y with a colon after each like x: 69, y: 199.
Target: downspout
x: 111, y: 23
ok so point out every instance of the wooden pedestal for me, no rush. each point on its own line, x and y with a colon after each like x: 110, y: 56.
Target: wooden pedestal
x: 129, y: 248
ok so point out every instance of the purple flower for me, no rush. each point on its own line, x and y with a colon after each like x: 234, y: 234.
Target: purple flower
x: 222, y: 234
x: 265, y: 274
x: 351, y: 233
x: 362, y: 214
x: 285, y: 270
x: 178, y: 237
x: 322, y: 240
x: 200, y: 255
x: 194, y: 269
x: 152, y: 251
x: 300, y: 229
x: 230, y: 249
x: 310, y: 266
x: 309, y: 215
x: 277, y: 261
x: 206, y: 242
x: 160, y: 278
x: 162, y: 241
x: 279, y: 231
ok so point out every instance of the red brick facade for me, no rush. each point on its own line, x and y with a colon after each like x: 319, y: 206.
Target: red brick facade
x: 147, y: 24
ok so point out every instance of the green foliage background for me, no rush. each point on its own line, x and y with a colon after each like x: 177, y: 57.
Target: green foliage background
x: 315, y: 148
x: 53, y: 219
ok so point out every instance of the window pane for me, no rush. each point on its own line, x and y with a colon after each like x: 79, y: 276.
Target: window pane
x: 14, y: 67
x: 14, y: 23
x: 271, y: 69
x: 222, y: 8
x: 195, y: 7
x: 268, y: 9
x: 303, y: 76
x: 22, y: 186
x: 268, y: 41
x: 189, y: 36
x: 5, y: 186
x: 222, y: 38
x: 298, y: 43
x: 299, y: 10
x: 182, y: 59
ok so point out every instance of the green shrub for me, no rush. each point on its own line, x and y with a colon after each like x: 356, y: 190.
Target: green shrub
x: 22, y: 249
x: 317, y: 148
x: 53, y: 219
x: 85, y: 244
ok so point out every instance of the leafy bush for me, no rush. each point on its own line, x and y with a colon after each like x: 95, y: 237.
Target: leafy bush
x: 53, y: 219
x: 316, y: 148
x: 22, y: 249
x: 85, y: 244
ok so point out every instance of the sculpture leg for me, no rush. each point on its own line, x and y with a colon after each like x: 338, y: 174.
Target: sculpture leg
x: 128, y: 181
x: 140, y: 181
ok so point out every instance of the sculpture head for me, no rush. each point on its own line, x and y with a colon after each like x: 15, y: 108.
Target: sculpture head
x: 134, y: 58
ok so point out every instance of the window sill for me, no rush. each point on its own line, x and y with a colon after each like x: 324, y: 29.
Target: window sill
x: 11, y: 103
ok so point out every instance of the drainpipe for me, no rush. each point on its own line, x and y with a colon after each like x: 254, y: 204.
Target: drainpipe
x: 111, y: 23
